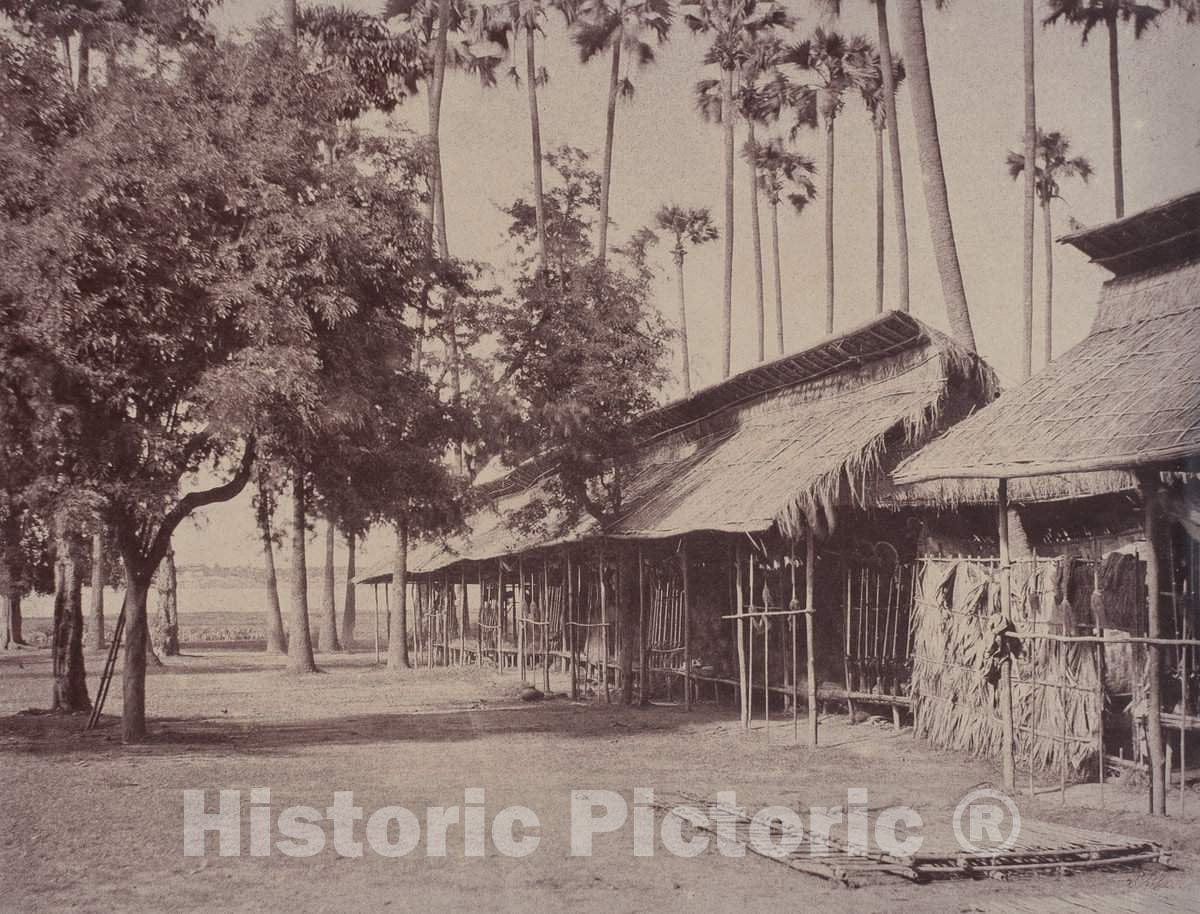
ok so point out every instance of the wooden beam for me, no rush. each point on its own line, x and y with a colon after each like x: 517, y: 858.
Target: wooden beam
x: 741, y: 636
x: 520, y: 613
x: 1007, y: 757
x: 643, y: 661
x: 810, y: 566
x: 687, y: 631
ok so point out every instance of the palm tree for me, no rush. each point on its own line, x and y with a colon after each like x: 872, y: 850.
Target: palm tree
x: 874, y: 95
x: 1088, y: 14
x: 776, y: 168
x: 504, y: 22
x: 1027, y: 223
x: 1052, y: 164
x: 937, y: 201
x: 733, y: 25
x: 693, y: 226
x: 887, y: 69
x: 836, y: 65
x: 616, y: 27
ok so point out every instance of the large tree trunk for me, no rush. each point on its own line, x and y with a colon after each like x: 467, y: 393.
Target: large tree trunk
x: 349, y: 604
x: 937, y: 201
x: 328, y: 639
x: 168, y: 606
x: 779, y: 343
x: 893, y: 130
x: 98, y: 576
x: 610, y: 116
x: 70, y: 681
x: 10, y: 583
x: 137, y: 637
x: 1048, y: 318
x: 829, y: 292
x: 760, y: 317
x: 300, y: 648
x: 276, y: 640
x: 1114, y: 91
x: 727, y: 119
x: 1027, y: 225
x: 398, y: 623
x: 535, y: 129
x: 879, y: 234
x: 10, y: 617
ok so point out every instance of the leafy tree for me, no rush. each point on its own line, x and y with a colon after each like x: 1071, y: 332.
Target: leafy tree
x: 618, y: 26
x: 874, y: 96
x: 685, y: 226
x: 1053, y: 164
x: 1088, y: 14
x: 836, y: 65
x: 733, y: 27
x: 779, y: 169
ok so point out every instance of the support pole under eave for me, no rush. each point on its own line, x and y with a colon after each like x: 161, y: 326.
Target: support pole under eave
x: 571, y: 603
x: 604, y: 629
x: 520, y: 613
x: 375, y: 587
x: 741, y: 637
x: 1007, y: 760
x: 546, y: 623
x: 810, y: 564
x: 1149, y: 485
x: 687, y: 632
x: 643, y: 669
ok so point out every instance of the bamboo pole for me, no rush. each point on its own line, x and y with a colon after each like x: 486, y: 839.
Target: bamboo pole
x: 546, y: 623
x: 500, y: 614
x: 846, y: 655
x: 792, y: 605
x: 741, y: 638
x: 1006, y: 712
x: 520, y: 613
x: 810, y: 564
x: 687, y: 630
x: 604, y: 628
x: 572, y: 604
x: 643, y: 669
x: 1148, y: 484
x: 376, y: 588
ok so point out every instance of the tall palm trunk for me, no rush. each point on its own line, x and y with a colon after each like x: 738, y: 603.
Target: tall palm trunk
x: 98, y: 590
x: 778, y: 278
x: 327, y: 638
x: 300, y: 648
x: 1114, y: 91
x: 614, y: 79
x: 1048, y: 325
x: 760, y: 324
x: 829, y: 226
x: 683, y: 333
x: 937, y: 202
x: 350, y: 603
x: 535, y: 129
x: 398, y: 623
x: 276, y: 641
x: 893, y: 129
x: 1027, y: 226
x: 727, y: 300
x: 879, y: 237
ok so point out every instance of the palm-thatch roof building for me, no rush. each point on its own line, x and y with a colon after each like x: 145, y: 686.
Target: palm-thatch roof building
x: 1126, y: 399
x: 722, y: 487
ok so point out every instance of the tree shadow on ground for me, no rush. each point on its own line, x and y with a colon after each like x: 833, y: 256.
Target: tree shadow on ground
x: 43, y: 733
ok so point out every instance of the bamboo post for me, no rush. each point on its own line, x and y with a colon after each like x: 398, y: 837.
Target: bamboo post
x: 572, y: 602
x: 387, y: 612
x: 687, y: 628
x: 1183, y: 727
x: 520, y: 618
x: 810, y: 566
x: 1062, y: 699
x: 1148, y: 483
x: 500, y: 614
x: 792, y: 623
x: 376, y: 588
x: 846, y: 655
x: 767, y: 676
x: 604, y: 628
x: 1006, y: 711
x: 741, y: 638
x: 643, y: 670
x: 546, y: 623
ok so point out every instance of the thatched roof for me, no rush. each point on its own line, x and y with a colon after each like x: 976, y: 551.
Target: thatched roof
x: 786, y: 443
x: 1127, y: 396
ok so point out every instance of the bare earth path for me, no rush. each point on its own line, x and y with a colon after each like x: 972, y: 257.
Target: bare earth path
x: 90, y: 825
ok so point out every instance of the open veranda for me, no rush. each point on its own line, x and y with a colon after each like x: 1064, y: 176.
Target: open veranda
x: 92, y: 825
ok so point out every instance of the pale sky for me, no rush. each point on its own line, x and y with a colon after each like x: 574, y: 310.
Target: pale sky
x: 664, y: 152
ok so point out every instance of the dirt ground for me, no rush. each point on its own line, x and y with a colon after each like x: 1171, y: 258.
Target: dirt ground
x: 91, y: 825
